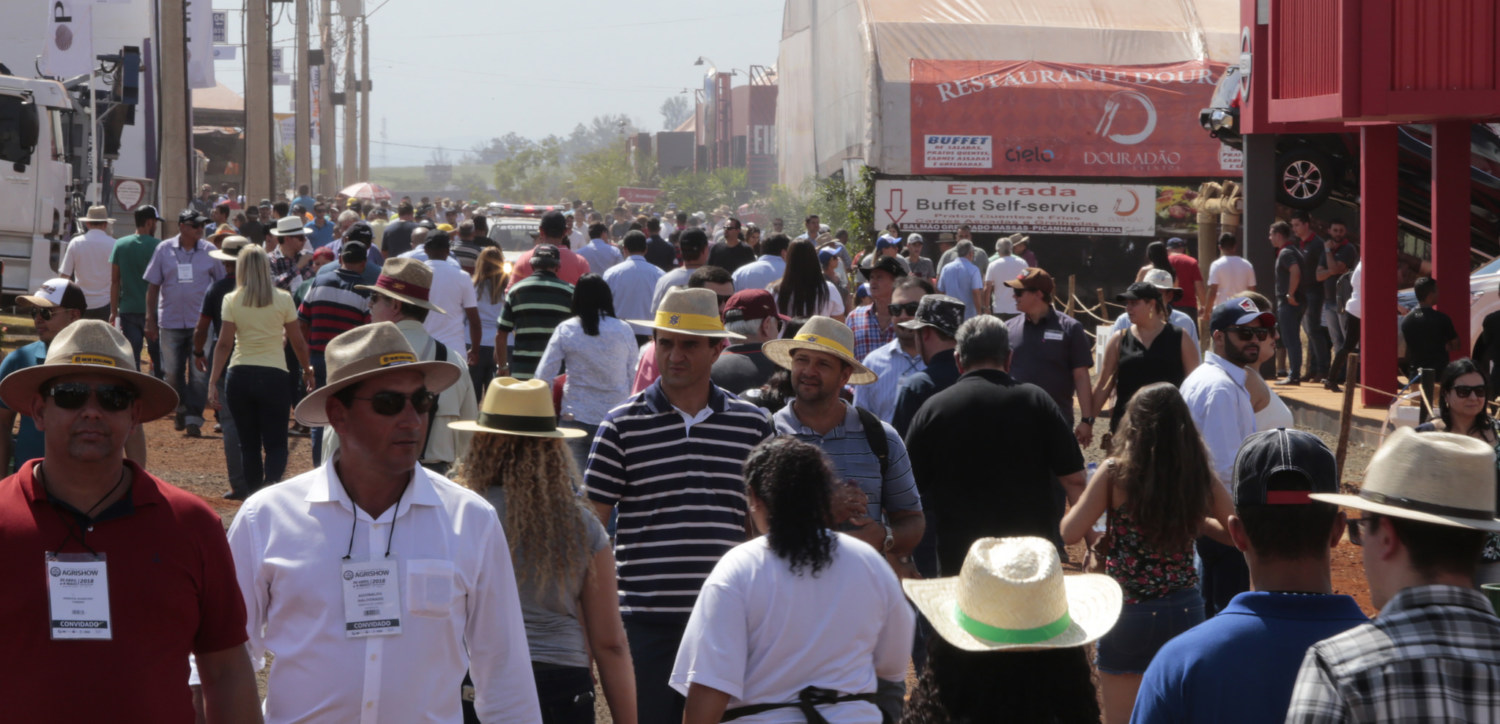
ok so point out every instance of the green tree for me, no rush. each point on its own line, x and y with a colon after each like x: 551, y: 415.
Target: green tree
x: 598, y: 175
x: 675, y: 110
x: 533, y: 175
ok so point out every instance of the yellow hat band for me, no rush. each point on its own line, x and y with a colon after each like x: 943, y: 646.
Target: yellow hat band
x: 689, y: 322
x: 824, y: 342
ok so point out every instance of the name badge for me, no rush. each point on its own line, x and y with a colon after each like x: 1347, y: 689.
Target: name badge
x: 1052, y: 335
x: 184, y: 272
x: 78, y: 593
x: 372, y: 599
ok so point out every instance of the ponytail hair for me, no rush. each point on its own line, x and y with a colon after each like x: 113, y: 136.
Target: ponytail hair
x: 795, y: 483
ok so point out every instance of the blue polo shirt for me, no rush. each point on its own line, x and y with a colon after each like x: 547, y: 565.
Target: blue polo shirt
x: 1240, y: 665
x: 29, y: 442
x: 847, y: 446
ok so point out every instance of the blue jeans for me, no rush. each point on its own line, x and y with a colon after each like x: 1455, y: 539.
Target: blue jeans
x: 483, y: 371
x: 190, y: 384
x: 1334, y: 324
x: 1289, y: 320
x: 320, y: 373
x: 653, y: 652
x: 581, y: 446
x: 1319, y: 347
x: 258, y: 401
x: 1144, y: 627
x: 133, y: 326
x: 232, y: 460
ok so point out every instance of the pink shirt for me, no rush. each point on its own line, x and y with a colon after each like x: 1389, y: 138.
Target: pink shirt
x: 572, y: 267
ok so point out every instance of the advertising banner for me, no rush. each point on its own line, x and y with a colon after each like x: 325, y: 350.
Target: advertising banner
x: 200, y: 46
x: 1025, y: 118
x: 70, y: 39
x: 638, y: 195
x: 1011, y: 206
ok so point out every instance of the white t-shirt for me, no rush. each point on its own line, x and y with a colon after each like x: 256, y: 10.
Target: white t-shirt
x: 1233, y: 274
x: 87, y: 259
x: 453, y: 291
x: 761, y: 633
x: 1003, y: 269
x: 1354, y: 306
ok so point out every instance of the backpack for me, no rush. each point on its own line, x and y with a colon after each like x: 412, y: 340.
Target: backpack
x: 875, y: 435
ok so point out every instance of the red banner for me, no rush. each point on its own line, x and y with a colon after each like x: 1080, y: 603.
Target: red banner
x: 1023, y: 118
x: 637, y: 195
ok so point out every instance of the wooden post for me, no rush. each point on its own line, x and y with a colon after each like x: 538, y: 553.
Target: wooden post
x: 1346, y: 414
x: 1103, y: 310
x: 1072, y: 293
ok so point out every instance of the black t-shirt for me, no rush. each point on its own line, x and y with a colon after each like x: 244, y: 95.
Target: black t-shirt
x: 1287, y: 258
x: 986, y: 454
x: 729, y: 257
x: 1427, y: 333
x: 661, y: 253
x: 397, y: 238
x: 742, y: 367
x: 213, y: 301
x: 1348, y: 255
x: 1312, y: 258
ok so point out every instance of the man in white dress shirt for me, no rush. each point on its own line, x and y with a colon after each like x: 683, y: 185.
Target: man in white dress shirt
x: 375, y: 582
x: 768, y: 268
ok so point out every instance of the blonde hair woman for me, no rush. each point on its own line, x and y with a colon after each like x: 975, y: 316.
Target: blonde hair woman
x: 256, y: 316
x: 490, y: 277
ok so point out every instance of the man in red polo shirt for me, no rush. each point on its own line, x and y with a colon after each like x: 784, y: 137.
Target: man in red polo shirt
x: 1189, y: 277
x: 113, y: 577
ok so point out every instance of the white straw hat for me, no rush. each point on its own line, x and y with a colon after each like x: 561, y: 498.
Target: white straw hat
x: 513, y: 407
x: 1012, y: 595
x: 1433, y: 477
x: 689, y: 311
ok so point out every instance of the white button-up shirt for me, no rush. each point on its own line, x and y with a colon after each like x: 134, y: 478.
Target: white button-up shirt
x: 1216, y: 397
x: 760, y: 273
x: 459, y: 606
x: 633, y: 284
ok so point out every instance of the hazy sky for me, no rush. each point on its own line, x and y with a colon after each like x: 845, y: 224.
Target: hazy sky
x: 452, y: 73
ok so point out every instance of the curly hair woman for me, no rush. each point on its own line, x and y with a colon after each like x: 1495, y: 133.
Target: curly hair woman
x: 1156, y: 492
x: 565, y: 569
x: 801, y: 618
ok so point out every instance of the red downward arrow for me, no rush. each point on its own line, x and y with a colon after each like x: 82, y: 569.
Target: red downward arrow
x: 893, y: 205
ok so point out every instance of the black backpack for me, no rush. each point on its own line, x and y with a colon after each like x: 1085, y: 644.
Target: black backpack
x: 875, y: 435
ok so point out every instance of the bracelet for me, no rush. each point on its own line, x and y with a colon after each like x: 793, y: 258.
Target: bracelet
x: 198, y: 353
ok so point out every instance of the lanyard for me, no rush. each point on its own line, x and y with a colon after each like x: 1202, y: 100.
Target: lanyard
x: 355, y: 524
x: 69, y: 521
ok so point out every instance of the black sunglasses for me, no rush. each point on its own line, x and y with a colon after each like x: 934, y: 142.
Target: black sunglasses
x: 1357, y: 532
x: 1465, y: 391
x: 723, y: 299
x: 1017, y: 293
x: 42, y: 313
x: 391, y: 403
x: 1245, y: 334
x: 909, y: 308
x: 73, y: 395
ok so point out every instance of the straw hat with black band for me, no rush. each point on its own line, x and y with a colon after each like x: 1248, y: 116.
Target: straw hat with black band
x: 365, y: 352
x: 821, y: 334
x: 96, y: 215
x: 289, y: 226
x: 88, y: 347
x: 689, y: 311
x: 1434, y: 477
x: 407, y: 280
x: 513, y: 407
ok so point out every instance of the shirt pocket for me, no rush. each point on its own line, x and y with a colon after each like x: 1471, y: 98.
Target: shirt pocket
x: 429, y: 587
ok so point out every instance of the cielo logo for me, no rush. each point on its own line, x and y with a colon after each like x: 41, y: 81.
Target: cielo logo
x: 1112, y: 109
x: 1034, y: 154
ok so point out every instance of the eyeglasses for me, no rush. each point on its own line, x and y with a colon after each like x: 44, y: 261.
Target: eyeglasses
x: 42, y: 313
x: 1018, y: 293
x: 908, y: 309
x: 73, y: 395
x: 1245, y: 334
x: 1466, y: 391
x: 1357, y: 533
x: 391, y: 403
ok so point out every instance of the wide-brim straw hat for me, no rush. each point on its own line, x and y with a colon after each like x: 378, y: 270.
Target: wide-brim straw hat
x: 289, y: 226
x: 689, y: 311
x: 96, y: 215
x: 821, y: 334
x: 368, y: 351
x: 88, y: 346
x: 1434, y: 477
x: 513, y: 407
x: 1162, y: 279
x: 1012, y: 595
x: 407, y: 280
x: 230, y: 249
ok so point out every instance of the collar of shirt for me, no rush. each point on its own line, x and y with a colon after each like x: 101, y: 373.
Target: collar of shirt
x: 688, y: 421
x: 1235, y: 372
x: 657, y: 398
x: 999, y: 377
x: 1266, y: 604
x: 893, y: 350
x: 1049, y: 319
x: 143, y: 490
x: 787, y: 423
x: 1436, y: 595
x: 328, y: 488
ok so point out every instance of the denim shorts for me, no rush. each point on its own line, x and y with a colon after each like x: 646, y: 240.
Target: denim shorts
x: 1144, y: 627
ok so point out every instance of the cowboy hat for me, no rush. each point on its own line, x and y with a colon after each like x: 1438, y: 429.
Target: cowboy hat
x: 689, y: 311
x: 364, y: 352
x: 1012, y: 595
x: 513, y: 407
x: 407, y: 280
x: 820, y: 334
x: 229, y: 250
x: 97, y: 215
x: 1434, y: 477
x: 1018, y: 238
x: 290, y: 226
x: 1162, y: 279
x: 88, y: 346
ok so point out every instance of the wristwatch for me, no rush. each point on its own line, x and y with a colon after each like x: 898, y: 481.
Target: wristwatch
x: 890, y: 540
x: 197, y: 353
x: 1087, y: 421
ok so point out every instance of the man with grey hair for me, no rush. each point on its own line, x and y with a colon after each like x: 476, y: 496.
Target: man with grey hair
x: 962, y: 280
x: 1003, y: 268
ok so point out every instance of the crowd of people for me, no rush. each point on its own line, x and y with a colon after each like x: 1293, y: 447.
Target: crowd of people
x: 718, y: 473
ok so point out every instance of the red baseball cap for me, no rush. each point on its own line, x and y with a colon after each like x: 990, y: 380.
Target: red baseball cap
x: 752, y: 304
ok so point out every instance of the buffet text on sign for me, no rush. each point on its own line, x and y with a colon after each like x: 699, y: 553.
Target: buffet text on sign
x: 1006, y: 206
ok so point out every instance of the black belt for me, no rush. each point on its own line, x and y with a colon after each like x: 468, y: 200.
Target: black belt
x: 807, y: 700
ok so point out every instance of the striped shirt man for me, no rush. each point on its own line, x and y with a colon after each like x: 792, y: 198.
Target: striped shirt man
x: 679, y: 487
x: 534, y: 307
x: 848, y: 448
x: 333, y: 306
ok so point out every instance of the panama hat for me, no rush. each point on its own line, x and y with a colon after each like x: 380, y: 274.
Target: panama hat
x: 513, y: 407
x: 97, y: 215
x: 820, y: 334
x: 368, y: 351
x: 229, y: 250
x: 1162, y: 279
x: 407, y: 280
x: 88, y: 346
x: 689, y: 311
x: 1018, y: 238
x: 1434, y: 477
x: 1012, y: 595
x: 290, y: 226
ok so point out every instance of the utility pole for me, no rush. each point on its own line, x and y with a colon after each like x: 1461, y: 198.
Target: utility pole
x: 259, y: 168
x: 303, y: 107
x: 176, y: 161
x: 328, y: 179
x: 350, y: 166
x: 364, y: 98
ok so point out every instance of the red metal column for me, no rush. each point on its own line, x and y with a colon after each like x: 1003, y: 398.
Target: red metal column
x: 1450, y: 224
x: 1377, y: 252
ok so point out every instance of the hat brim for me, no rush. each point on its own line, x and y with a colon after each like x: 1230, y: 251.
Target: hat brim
x: 423, y: 303
x: 651, y: 324
x: 472, y: 426
x: 30, y: 300
x: 1094, y: 603
x: 87, y: 220
x: 1358, y: 503
x: 780, y: 351
x: 299, y: 232
x: 916, y: 324
x: 158, y: 399
x: 312, y: 410
x: 224, y: 256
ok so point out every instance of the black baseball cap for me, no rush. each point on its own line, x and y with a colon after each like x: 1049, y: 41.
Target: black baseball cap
x: 939, y: 311
x: 353, y: 252
x: 545, y: 256
x: 1239, y: 312
x: 1265, y: 454
x: 191, y: 216
x: 361, y: 232
x: 438, y: 239
x: 554, y: 224
x: 887, y: 264
x: 1139, y: 290
x: 147, y: 213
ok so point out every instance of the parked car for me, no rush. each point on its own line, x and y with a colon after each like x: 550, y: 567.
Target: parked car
x: 513, y: 226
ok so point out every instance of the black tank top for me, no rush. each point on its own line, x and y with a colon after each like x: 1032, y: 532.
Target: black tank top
x: 1141, y: 365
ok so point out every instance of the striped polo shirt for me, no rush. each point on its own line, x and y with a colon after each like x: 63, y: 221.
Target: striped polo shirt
x: 333, y: 306
x: 534, y: 307
x: 681, y: 494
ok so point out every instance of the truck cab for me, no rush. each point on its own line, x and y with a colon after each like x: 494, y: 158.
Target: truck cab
x: 34, y: 177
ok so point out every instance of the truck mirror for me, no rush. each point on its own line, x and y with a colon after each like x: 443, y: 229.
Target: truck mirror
x: 30, y: 127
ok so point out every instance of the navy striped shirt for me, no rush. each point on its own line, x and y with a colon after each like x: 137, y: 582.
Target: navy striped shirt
x: 333, y: 306
x: 534, y: 307
x: 680, y: 491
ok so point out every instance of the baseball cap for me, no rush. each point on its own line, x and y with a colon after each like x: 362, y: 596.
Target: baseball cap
x: 885, y: 242
x: 57, y: 292
x: 1265, y: 454
x: 825, y: 256
x: 1238, y: 312
x: 554, y: 224
x: 752, y: 304
x: 361, y: 232
x: 915, y: 239
x: 545, y: 255
x: 888, y: 265
x: 1176, y: 242
x: 1033, y: 279
x: 191, y: 216
x: 1139, y: 290
x: 352, y: 251
x: 438, y: 239
x: 147, y: 213
x: 939, y: 311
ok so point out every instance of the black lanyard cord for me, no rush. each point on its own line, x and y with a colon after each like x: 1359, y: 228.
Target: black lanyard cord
x: 389, y: 536
x: 70, y: 522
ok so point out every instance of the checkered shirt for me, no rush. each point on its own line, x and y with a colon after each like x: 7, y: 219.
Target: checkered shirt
x: 867, y: 332
x: 1432, y: 655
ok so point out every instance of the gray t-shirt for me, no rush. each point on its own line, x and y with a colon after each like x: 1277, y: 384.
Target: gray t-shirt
x: 1287, y: 258
x: 553, y: 630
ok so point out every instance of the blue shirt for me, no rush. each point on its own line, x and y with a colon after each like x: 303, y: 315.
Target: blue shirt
x: 1240, y: 665
x: 959, y: 280
x: 319, y: 236
x: 179, y: 302
x: 600, y: 256
x: 29, y: 443
x: 892, y: 365
x: 633, y: 283
x: 760, y: 273
x: 306, y: 202
x: 848, y: 449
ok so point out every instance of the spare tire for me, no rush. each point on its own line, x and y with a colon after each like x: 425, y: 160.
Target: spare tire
x: 1305, y: 177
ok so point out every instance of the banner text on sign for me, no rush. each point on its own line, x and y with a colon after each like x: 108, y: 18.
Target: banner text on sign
x: 1007, y: 206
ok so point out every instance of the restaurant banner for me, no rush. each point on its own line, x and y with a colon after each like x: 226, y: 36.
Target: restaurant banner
x: 1026, y: 118
x: 1011, y: 206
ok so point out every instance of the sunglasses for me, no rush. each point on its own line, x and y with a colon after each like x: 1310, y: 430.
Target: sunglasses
x: 42, y: 313
x: 1018, y: 293
x: 1245, y: 334
x: 73, y: 395
x: 391, y: 403
x: 1356, y: 531
x: 908, y: 309
x: 723, y: 299
x: 1466, y: 391
x: 191, y: 224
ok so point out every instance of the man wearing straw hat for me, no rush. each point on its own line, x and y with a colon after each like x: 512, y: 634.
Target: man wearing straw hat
x: 291, y: 263
x: 86, y: 261
x: 671, y: 460
x: 375, y: 582
x: 177, y: 278
x: 1433, y: 652
x: 113, y: 576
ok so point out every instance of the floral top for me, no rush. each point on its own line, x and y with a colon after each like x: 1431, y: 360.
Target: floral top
x: 1145, y: 573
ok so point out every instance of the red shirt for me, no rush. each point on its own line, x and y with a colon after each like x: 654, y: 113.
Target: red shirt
x: 1188, y: 277
x: 569, y: 269
x: 172, y: 591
